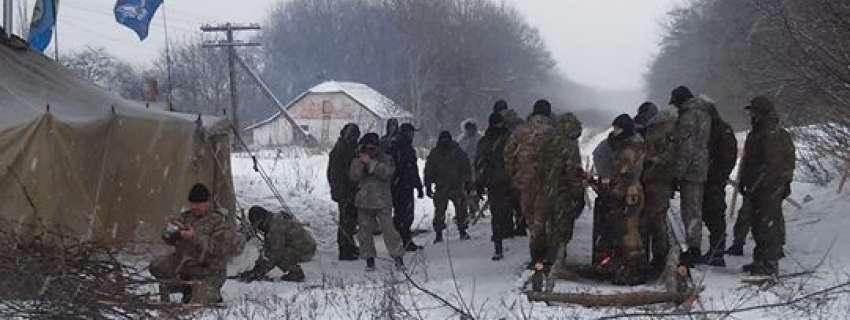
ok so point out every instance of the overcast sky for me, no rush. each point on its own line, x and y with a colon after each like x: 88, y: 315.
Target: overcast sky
x: 602, y: 43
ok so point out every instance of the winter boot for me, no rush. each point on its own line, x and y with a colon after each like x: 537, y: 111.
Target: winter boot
x: 520, y: 231
x: 737, y: 249
x: 370, y: 264
x: 765, y: 268
x: 751, y: 266
x: 463, y: 234
x: 294, y: 274
x: 439, y: 237
x: 498, y: 254
x: 412, y: 247
x: 692, y: 257
x: 399, y: 263
x: 348, y: 255
x: 714, y: 258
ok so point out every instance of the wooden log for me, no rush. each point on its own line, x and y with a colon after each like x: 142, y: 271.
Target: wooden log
x: 625, y: 299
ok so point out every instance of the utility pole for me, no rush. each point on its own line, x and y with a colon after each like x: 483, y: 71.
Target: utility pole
x: 230, y: 44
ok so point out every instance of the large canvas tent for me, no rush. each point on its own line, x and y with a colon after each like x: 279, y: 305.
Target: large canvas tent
x: 76, y: 157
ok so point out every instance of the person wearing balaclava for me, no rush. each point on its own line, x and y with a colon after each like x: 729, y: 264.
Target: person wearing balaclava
x: 627, y: 194
x: 645, y: 118
x: 373, y: 172
x: 447, y: 175
x: 406, y: 180
x: 390, y: 135
x: 521, y: 164
x: 658, y: 130
x: 690, y: 166
x: 767, y: 170
x: 495, y: 182
x: 343, y: 190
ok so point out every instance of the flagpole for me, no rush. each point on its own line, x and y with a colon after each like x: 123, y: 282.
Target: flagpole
x: 167, y: 55
x: 56, y: 30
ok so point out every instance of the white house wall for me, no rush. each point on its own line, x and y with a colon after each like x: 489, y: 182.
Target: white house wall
x: 323, y: 115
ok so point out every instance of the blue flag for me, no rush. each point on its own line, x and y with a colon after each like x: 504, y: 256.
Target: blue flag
x: 41, y: 27
x: 136, y: 14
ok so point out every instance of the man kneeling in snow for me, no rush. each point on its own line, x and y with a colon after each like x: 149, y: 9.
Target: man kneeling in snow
x: 287, y: 243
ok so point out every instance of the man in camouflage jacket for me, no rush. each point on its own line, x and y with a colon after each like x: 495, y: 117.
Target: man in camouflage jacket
x: 521, y: 161
x: 767, y: 170
x: 690, y: 166
x: 657, y: 129
x: 373, y: 171
x: 627, y: 194
x: 286, y: 243
x: 563, y: 191
x: 203, y: 241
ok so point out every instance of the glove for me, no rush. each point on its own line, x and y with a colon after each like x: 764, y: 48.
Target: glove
x: 419, y: 193
x: 429, y: 191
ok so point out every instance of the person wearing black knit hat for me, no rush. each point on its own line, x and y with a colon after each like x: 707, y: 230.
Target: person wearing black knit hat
x: 690, y: 166
x: 405, y: 181
x: 286, y: 244
x: 198, y: 260
x: 542, y: 107
x: 343, y: 190
x: 627, y: 191
x: 448, y: 174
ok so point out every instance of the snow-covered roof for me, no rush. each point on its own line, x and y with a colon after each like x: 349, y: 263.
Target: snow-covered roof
x: 372, y: 100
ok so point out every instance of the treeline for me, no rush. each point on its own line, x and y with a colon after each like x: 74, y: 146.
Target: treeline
x: 795, y: 51
x: 445, y: 61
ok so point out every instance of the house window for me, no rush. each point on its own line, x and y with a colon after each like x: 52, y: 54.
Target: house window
x: 327, y: 108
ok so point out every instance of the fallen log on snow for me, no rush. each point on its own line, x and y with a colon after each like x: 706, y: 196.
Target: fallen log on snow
x: 625, y: 299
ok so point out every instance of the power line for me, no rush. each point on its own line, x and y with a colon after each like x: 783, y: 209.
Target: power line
x: 230, y: 44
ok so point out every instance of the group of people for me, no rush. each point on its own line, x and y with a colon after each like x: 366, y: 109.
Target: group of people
x: 532, y: 175
x: 639, y: 167
x: 532, y: 169
x: 204, y: 239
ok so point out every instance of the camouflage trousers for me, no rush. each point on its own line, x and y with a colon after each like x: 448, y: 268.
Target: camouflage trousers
x: 202, y: 283
x: 550, y: 228
x: 691, y: 195
x: 371, y: 219
x: 654, y: 222
x: 768, y: 225
x: 714, y: 217
x: 441, y: 204
x: 630, y: 256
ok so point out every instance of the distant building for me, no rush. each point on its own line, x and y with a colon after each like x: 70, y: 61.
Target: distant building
x: 325, y: 109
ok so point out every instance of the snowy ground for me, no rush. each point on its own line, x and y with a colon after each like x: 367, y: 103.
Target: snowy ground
x: 462, y: 273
